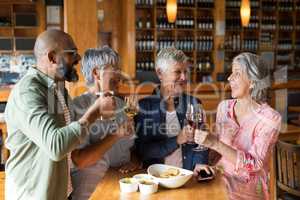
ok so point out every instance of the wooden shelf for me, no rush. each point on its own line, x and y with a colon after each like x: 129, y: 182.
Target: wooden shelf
x: 6, y: 27
x: 185, y: 29
x: 25, y: 27
x: 145, y: 51
x: 144, y: 7
x: 145, y: 29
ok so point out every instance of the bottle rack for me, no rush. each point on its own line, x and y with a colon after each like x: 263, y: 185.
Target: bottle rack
x: 193, y: 32
x: 274, y: 27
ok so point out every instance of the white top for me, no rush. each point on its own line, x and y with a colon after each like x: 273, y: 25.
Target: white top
x: 173, y: 129
x: 85, y: 180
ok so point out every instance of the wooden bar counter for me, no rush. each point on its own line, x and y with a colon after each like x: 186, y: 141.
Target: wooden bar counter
x: 108, y: 189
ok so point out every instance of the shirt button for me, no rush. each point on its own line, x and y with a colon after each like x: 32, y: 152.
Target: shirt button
x: 184, y: 157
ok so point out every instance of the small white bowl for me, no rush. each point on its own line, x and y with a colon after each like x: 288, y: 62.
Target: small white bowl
x: 148, y: 186
x: 142, y: 177
x: 128, y: 185
x: 171, y: 182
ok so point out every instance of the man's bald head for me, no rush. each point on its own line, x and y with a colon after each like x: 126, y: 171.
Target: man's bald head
x: 52, y: 40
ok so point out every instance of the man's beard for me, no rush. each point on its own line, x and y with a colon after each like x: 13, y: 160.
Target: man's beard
x: 67, y: 73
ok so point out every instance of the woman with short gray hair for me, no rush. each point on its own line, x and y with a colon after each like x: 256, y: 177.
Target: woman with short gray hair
x: 108, y: 143
x: 246, y: 131
x: 98, y: 59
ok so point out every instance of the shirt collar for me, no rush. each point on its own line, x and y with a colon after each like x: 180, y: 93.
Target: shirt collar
x: 42, y: 77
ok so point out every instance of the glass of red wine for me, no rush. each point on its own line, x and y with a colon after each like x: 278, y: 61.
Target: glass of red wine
x: 195, y: 119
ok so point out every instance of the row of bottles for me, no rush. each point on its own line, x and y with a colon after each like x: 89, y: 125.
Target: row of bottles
x: 237, y: 3
x: 205, y: 3
x: 145, y: 43
x: 254, y: 22
x: 190, y: 3
x: 233, y: 42
x: 205, y: 22
x: 204, y: 64
x: 186, y: 2
x: 285, y: 5
x: 144, y: 23
x: 165, y: 42
x: 250, y: 44
x: 284, y: 57
x: 144, y: 2
x: 266, y: 40
x: 284, y: 44
x: 233, y: 23
x: 145, y: 64
x: 162, y: 22
x: 268, y: 4
x: 161, y: 2
x: 286, y: 25
x: 268, y: 23
x: 185, y: 44
x: 204, y: 43
x: 185, y: 22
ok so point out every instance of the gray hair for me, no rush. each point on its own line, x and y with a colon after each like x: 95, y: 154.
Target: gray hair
x: 169, y: 55
x: 257, y: 72
x: 97, y: 58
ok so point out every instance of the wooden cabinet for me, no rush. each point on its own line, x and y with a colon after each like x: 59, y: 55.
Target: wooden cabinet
x: 20, y: 23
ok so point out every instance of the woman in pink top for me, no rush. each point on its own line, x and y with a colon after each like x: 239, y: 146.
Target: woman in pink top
x: 246, y: 131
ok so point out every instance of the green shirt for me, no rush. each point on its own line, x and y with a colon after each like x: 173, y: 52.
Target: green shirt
x: 38, y: 141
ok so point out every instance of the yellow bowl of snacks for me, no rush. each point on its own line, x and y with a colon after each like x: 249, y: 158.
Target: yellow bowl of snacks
x: 128, y: 185
x: 169, y: 176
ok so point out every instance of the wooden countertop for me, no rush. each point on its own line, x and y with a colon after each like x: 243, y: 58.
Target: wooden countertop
x: 108, y: 189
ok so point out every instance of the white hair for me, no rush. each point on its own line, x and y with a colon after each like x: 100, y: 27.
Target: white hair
x: 168, y: 56
x: 97, y: 58
x: 257, y: 72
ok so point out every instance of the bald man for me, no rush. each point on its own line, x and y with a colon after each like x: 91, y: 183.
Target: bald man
x: 40, y: 134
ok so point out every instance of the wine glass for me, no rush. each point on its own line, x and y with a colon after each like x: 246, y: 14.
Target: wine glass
x: 131, y: 108
x: 190, y: 118
x: 200, y: 124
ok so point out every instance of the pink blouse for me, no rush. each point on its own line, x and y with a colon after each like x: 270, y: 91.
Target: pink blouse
x: 254, y: 139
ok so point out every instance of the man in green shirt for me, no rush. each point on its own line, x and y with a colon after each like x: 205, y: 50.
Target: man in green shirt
x: 40, y: 134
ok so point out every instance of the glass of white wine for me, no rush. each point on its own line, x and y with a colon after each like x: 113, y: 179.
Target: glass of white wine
x: 131, y: 108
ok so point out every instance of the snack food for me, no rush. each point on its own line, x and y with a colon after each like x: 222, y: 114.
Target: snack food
x: 170, y: 172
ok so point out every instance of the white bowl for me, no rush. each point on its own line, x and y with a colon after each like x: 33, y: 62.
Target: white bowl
x: 172, y: 182
x: 148, y: 186
x: 126, y: 187
x: 142, y: 177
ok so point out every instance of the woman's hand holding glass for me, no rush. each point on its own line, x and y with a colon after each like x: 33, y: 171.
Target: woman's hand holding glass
x: 186, y: 135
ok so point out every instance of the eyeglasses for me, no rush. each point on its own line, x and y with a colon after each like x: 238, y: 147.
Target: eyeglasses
x: 72, y: 52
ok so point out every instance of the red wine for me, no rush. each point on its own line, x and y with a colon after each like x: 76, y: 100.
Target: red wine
x: 191, y: 123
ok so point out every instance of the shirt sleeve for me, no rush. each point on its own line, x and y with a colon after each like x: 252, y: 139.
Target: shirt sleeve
x: 265, y: 136
x: 40, y: 125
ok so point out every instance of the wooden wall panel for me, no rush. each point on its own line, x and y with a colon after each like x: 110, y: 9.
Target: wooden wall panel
x: 80, y: 21
x: 127, y: 38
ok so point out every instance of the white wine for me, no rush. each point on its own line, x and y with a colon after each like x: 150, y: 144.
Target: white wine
x: 130, y: 112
